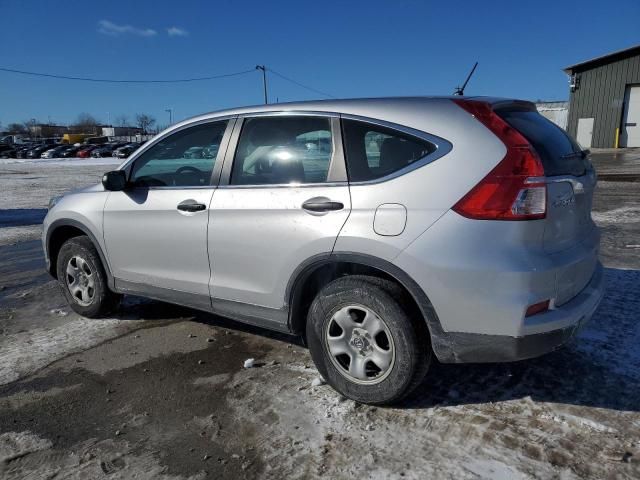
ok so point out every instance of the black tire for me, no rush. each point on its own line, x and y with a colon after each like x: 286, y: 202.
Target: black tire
x: 409, y: 334
x: 102, y: 301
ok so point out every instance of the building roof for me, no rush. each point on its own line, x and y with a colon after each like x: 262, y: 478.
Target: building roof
x: 604, y: 59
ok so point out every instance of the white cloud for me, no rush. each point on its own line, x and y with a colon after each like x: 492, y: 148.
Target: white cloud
x: 109, y: 28
x: 177, y: 32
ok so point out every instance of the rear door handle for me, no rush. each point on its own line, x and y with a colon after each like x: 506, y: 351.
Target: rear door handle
x: 321, y: 204
x: 191, y: 207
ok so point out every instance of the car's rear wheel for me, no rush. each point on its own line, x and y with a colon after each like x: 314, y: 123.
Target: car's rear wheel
x: 364, y: 343
x: 83, y: 280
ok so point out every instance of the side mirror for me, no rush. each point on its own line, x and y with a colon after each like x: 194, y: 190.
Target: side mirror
x: 114, y: 181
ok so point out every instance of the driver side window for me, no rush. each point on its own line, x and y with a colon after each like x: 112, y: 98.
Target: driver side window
x: 183, y: 159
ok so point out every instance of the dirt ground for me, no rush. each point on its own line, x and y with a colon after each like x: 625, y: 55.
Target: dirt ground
x: 160, y: 392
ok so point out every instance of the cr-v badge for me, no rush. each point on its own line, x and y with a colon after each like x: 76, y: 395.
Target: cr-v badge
x: 564, y: 200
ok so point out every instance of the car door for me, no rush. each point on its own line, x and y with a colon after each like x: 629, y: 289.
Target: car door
x: 282, y: 200
x: 156, y: 229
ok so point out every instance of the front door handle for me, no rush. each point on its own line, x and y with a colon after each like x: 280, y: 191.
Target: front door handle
x: 191, y: 207
x: 322, y: 204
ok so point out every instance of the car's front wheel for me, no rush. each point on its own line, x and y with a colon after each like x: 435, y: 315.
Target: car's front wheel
x: 364, y: 343
x: 83, y: 280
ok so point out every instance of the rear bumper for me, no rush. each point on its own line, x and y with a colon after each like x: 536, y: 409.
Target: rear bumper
x: 478, y: 348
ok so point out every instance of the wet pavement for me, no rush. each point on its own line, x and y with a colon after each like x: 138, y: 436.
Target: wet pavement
x: 620, y: 165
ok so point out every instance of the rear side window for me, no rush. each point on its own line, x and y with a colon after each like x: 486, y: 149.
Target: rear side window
x: 559, y: 153
x: 373, y: 151
x: 283, y: 150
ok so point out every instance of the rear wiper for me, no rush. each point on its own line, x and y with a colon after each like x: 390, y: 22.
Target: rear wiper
x: 581, y: 154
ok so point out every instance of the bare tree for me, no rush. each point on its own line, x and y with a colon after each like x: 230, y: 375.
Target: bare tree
x: 144, y: 121
x: 17, y: 128
x: 86, y: 123
x: 122, y: 121
x: 30, y: 125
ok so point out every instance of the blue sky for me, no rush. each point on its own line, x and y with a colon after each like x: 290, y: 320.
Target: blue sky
x: 346, y: 48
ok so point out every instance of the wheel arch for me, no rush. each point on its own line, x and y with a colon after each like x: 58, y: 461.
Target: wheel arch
x: 62, y: 230
x: 317, y: 271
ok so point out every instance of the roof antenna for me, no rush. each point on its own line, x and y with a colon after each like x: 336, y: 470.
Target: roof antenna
x: 460, y: 90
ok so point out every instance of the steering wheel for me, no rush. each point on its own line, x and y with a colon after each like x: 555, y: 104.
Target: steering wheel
x: 189, y: 169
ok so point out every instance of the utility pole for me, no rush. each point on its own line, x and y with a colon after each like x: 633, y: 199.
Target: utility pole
x: 264, y: 81
x: 170, y: 112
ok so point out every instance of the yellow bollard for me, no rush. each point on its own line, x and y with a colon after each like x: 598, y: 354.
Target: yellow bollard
x: 617, y: 138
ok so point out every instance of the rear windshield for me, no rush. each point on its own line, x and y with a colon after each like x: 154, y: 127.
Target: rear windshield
x: 559, y: 153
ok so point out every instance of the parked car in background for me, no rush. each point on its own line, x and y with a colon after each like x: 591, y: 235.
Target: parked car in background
x: 7, y: 150
x: 70, y: 152
x: 193, y: 152
x: 96, y: 140
x: 124, y: 152
x: 105, y: 150
x: 35, y: 152
x: 21, y: 152
x: 458, y: 228
x: 210, y: 151
x: 54, y: 152
x: 85, y: 151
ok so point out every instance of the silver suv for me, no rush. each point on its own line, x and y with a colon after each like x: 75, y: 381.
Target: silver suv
x: 383, y: 231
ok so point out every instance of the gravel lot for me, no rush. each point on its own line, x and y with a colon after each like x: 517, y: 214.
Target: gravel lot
x: 160, y: 391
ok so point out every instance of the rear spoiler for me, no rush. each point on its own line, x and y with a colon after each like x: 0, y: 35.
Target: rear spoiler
x: 521, y: 105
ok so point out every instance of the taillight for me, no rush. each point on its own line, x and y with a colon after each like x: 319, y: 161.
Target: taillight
x: 515, y: 189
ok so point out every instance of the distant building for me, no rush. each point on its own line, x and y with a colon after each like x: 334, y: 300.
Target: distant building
x: 557, y: 112
x: 120, y: 131
x: 42, y: 130
x: 604, y: 103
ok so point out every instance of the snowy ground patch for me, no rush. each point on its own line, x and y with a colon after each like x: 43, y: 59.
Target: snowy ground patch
x: 26, y: 352
x: 629, y: 214
x: 58, y: 162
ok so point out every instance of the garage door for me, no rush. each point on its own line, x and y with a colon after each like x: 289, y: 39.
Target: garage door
x: 630, y: 135
x: 585, y: 132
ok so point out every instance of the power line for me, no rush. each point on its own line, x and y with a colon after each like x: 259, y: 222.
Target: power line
x: 300, y: 84
x: 179, y: 80
x: 108, y: 80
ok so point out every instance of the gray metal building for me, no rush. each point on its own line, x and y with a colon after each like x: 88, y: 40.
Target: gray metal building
x: 604, y: 103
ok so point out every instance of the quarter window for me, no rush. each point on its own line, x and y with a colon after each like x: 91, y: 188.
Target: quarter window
x: 185, y: 158
x: 373, y: 151
x: 283, y: 150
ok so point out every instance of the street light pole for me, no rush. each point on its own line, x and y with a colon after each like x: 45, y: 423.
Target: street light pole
x: 170, y: 111
x: 264, y: 81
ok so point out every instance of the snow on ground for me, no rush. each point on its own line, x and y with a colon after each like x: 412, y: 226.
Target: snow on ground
x: 629, y: 214
x: 47, y: 345
x: 15, y: 445
x: 81, y: 464
x: 62, y: 161
x: 27, y: 185
x: 11, y: 235
x: 613, y: 339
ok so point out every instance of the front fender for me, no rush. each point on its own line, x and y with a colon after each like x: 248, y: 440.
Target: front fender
x: 83, y: 212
